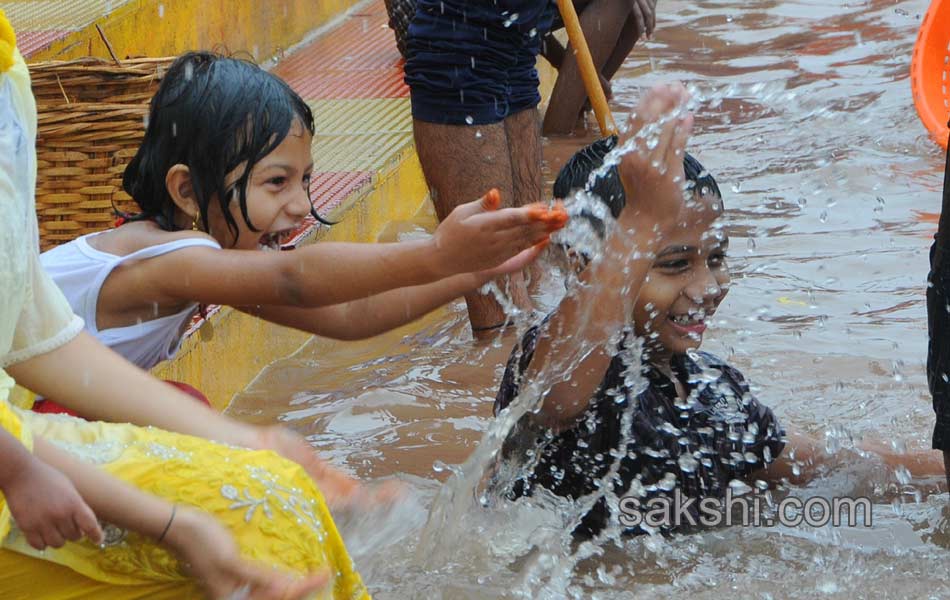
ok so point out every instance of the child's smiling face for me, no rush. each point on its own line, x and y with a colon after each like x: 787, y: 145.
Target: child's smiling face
x: 278, y: 196
x: 687, y: 281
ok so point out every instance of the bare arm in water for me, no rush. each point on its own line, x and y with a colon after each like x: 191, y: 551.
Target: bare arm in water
x: 593, y: 313
x: 805, y: 456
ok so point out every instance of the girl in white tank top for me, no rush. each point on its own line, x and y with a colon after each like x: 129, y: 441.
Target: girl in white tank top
x: 223, y: 173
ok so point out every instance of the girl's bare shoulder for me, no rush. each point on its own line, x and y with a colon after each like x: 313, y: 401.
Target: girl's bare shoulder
x: 132, y: 237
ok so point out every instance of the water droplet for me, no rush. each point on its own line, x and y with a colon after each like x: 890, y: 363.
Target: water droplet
x: 902, y: 474
x: 739, y: 488
x: 687, y: 463
x: 667, y: 483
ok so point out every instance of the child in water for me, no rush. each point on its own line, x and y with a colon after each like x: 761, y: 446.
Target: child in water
x: 224, y: 172
x: 694, y: 424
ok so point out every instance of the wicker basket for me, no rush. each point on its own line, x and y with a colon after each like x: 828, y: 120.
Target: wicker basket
x: 91, y: 122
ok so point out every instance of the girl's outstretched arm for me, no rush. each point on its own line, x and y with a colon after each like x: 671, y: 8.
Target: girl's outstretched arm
x: 96, y: 382
x: 196, y: 538
x: 474, y: 237
x: 367, y: 317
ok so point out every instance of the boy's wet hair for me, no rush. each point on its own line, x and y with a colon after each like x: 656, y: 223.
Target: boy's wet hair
x: 576, y: 172
x: 213, y: 114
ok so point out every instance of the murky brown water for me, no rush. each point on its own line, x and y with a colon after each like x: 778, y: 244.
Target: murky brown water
x: 831, y: 183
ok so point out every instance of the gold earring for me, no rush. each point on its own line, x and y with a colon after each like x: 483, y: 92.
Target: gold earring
x: 194, y: 223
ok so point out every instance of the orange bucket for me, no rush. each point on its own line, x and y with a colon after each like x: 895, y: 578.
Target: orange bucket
x: 930, y: 70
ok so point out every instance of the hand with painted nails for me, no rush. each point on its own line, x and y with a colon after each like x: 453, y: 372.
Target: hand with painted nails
x: 652, y: 172
x: 481, y: 237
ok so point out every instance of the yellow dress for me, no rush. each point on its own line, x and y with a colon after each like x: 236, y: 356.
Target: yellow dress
x: 275, y: 512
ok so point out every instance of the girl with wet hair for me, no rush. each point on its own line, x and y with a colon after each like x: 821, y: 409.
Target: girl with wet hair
x: 223, y: 173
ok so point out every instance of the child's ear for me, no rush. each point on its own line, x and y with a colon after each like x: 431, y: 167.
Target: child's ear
x: 179, y: 187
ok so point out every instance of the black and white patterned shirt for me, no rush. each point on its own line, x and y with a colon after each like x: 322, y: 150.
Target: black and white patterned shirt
x: 719, y: 434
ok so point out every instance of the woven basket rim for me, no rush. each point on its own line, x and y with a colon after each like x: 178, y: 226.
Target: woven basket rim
x: 95, y: 61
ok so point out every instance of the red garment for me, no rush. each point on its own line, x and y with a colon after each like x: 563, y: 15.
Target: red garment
x: 51, y: 407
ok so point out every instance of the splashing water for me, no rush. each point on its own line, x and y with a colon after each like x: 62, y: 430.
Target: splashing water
x: 814, y: 134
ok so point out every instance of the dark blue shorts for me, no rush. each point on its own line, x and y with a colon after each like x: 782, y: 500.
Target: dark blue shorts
x: 473, y: 62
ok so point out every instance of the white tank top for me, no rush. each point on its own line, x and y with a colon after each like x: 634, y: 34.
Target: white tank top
x: 80, y: 270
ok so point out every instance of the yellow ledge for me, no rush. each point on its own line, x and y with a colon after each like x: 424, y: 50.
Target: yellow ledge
x: 263, y: 29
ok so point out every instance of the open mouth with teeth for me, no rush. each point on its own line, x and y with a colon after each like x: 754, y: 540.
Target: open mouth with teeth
x: 692, y: 323
x: 274, y: 240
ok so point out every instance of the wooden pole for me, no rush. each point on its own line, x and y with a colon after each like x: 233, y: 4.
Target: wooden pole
x: 585, y: 62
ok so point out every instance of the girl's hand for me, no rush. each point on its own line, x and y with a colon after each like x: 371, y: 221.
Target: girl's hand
x: 339, y: 489
x: 652, y: 174
x: 47, y: 508
x: 208, y: 553
x: 479, y: 236
x: 516, y: 263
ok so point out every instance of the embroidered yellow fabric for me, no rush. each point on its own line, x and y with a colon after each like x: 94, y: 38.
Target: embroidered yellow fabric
x: 274, y: 510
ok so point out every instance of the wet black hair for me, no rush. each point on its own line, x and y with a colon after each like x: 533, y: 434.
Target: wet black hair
x: 211, y: 113
x: 576, y: 172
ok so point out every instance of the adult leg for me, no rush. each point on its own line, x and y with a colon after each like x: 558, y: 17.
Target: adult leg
x: 602, y: 22
x: 523, y: 131
x: 471, y: 73
x: 461, y: 163
x: 629, y: 36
